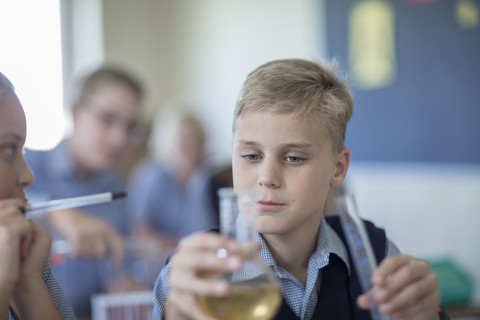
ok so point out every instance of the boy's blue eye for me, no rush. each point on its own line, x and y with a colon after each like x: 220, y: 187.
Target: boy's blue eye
x: 294, y: 159
x: 252, y: 157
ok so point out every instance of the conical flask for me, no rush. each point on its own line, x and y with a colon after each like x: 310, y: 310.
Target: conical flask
x: 254, y: 292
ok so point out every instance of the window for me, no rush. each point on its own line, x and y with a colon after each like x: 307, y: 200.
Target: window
x: 30, y: 56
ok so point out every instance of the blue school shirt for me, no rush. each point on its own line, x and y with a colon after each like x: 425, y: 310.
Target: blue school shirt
x: 160, y: 202
x: 56, y: 177
x: 302, y: 299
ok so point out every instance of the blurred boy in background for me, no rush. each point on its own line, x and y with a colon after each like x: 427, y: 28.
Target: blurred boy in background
x: 104, y: 117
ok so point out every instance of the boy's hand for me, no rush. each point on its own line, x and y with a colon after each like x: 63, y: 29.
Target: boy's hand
x: 192, y: 269
x: 91, y: 237
x: 404, y: 287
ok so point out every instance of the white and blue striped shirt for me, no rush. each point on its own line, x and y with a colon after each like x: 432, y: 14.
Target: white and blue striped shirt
x: 56, y: 293
x: 302, y: 299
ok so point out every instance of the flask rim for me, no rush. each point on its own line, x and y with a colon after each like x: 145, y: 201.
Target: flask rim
x: 226, y: 192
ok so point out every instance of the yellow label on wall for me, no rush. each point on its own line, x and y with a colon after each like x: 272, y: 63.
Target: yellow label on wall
x: 372, y: 58
x: 466, y: 12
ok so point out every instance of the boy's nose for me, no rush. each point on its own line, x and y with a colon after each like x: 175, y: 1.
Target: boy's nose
x: 269, y: 175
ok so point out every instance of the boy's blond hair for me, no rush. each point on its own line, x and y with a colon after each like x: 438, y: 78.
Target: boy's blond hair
x: 305, y: 89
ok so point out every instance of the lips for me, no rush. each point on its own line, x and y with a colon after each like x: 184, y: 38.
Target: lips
x: 269, y: 205
x: 21, y: 196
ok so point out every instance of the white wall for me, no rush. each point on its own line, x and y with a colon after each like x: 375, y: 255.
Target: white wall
x: 228, y: 39
x: 143, y: 35
x: 231, y: 38
x: 429, y: 210
x: 201, y: 51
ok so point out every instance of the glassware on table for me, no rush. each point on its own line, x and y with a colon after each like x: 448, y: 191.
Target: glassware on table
x: 254, y: 292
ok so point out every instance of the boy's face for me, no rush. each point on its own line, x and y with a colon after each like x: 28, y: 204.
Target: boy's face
x: 103, y: 125
x: 289, y: 165
x: 14, y: 172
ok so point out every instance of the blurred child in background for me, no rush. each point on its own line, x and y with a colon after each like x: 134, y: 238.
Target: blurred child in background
x: 104, y: 117
x: 169, y: 192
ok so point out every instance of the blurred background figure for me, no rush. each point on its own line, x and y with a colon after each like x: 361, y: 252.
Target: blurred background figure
x: 104, y: 119
x: 170, y: 192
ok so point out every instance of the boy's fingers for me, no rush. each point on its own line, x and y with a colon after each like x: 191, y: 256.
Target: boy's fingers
x: 363, y: 301
x: 367, y: 300
x: 249, y: 250
x: 412, y: 296
x: 422, y: 308
x: 201, y: 259
x: 207, y: 241
x: 389, y: 266
x: 406, y: 276
x: 205, y: 261
x: 399, y: 266
x: 209, y: 253
x: 198, y: 286
x: 195, y: 272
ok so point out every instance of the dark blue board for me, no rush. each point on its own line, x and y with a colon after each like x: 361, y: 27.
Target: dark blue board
x: 431, y: 113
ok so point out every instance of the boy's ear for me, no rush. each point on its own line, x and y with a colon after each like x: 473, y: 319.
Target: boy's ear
x: 342, y: 161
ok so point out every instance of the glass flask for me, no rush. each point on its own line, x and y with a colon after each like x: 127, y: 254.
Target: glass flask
x: 254, y: 292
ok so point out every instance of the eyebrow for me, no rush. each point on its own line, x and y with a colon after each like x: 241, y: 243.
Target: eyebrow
x: 304, y: 146
x: 11, y: 135
x: 247, y: 143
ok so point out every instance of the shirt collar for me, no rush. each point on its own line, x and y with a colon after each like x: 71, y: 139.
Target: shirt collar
x: 328, y: 242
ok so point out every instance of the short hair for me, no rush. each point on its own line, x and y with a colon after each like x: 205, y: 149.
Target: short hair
x: 167, y: 126
x: 303, y: 88
x: 109, y: 75
x: 6, y: 85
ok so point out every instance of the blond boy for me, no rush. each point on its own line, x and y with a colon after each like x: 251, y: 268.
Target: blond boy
x: 288, y: 146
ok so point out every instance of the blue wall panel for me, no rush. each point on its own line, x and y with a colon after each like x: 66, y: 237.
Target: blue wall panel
x: 432, y: 110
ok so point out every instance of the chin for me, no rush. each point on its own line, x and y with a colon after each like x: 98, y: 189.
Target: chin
x: 264, y: 226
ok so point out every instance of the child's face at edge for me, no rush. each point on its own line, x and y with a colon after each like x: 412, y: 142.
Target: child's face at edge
x: 15, y: 175
x: 290, y: 166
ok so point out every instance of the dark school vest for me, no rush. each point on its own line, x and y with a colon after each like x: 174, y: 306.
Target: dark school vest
x: 338, y: 292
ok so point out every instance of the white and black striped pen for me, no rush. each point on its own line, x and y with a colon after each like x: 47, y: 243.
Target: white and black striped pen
x: 68, y: 203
